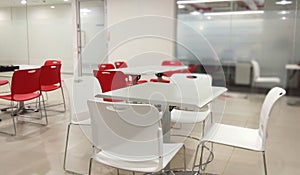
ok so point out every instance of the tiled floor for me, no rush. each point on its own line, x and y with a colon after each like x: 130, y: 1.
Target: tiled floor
x: 39, y: 150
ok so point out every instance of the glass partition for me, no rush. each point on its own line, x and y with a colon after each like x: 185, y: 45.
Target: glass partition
x: 239, y: 32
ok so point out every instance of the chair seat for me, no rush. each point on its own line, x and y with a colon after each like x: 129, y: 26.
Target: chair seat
x: 49, y: 87
x: 20, y: 97
x: 136, y: 163
x: 235, y: 136
x: 189, y: 117
x: 3, y: 82
x: 267, y: 80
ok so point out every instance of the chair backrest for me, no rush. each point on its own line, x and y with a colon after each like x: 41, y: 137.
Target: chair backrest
x: 79, y: 91
x: 192, y: 84
x: 191, y: 79
x: 106, y: 66
x: 121, y: 64
x: 273, y: 95
x: 50, y: 75
x: 111, y: 80
x: 51, y: 62
x: 129, y: 131
x: 256, y: 69
x: 171, y: 63
x: 26, y: 81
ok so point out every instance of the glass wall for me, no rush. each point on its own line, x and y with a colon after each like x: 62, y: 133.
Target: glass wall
x: 268, y: 35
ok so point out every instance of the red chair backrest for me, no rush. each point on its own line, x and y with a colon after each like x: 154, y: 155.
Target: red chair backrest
x: 120, y: 64
x: 51, y: 62
x: 171, y: 63
x: 26, y: 81
x: 111, y: 80
x: 50, y: 75
x: 106, y: 66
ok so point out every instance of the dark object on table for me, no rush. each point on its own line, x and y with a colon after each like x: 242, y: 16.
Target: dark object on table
x: 7, y: 68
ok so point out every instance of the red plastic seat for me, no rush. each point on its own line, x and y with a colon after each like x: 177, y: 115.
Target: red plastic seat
x: 51, y: 62
x: 106, y: 66
x: 168, y: 73
x: 25, y: 86
x: 111, y: 80
x: 123, y: 64
x: 50, y: 79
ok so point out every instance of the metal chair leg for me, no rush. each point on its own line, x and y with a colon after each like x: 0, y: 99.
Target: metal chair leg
x: 265, y: 162
x: 90, y: 166
x: 66, y: 147
x: 63, y: 96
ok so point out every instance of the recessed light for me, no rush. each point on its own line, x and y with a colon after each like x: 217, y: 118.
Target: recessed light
x: 284, y: 12
x: 23, y: 2
x: 283, y: 2
x: 181, y: 6
x: 52, y: 6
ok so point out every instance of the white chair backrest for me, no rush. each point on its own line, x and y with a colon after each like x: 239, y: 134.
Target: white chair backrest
x: 192, y: 82
x: 273, y: 95
x: 79, y: 91
x: 256, y: 69
x: 129, y: 131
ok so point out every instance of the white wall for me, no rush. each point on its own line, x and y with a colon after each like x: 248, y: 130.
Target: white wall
x: 141, y: 31
x: 32, y: 35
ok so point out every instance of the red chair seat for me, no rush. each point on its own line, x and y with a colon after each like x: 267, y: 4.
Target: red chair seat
x: 49, y: 87
x: 20, y: 97
x: 3, y: 82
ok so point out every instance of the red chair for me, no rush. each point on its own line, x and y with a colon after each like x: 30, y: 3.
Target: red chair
x: 111, y: 80
x: 50, y: 79
x: 51, y: 62
x: 25, y: 86
x: 122, y: 64
x: 168, y: 73
x: 106, y: 66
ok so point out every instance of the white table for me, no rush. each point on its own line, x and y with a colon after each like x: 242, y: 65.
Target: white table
x: 167, y: 95
x: 151, y: 69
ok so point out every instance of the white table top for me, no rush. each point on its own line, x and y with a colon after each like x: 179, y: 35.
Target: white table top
x: 292, y: 67
x: 152, y: 69
x: 167, y: 94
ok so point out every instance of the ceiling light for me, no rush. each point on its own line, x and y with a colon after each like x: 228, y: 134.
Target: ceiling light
x: 181, y: 6
x: 52, y: 6
x: 283, y: 18
x: 202, y: 1
x: 23, y: 2
x: 66, y: 0
x: 234, y: 13
x: 283, y: 2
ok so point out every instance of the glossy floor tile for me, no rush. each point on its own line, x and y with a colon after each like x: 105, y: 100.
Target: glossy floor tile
x: 39, y: 150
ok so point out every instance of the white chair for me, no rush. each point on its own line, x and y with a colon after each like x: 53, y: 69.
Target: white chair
x: 245, y: 138
x: 186, y: 82
x: 79, y: 91
x: 257, y: 79
x: 129, y: 137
